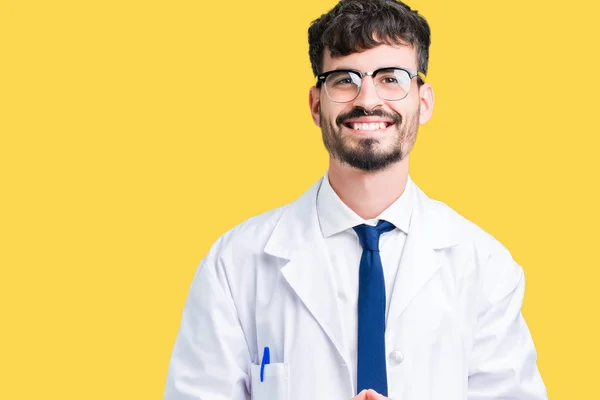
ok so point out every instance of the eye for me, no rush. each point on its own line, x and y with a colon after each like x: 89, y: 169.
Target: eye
x: 393, y: 78
x: 343, y: 81
x: 389, y: 79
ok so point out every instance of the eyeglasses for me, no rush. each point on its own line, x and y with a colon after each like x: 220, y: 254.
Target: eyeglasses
x: 392, y: 84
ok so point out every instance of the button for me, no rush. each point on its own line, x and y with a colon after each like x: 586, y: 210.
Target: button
x: 395, y: 357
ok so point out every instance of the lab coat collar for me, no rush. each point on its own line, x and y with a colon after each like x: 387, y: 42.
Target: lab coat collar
x: 299, y: 224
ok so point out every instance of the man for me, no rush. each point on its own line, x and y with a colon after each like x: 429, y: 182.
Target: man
x: 364, y: 287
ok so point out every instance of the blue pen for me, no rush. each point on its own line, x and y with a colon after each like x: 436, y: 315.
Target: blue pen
x: 266, y: 359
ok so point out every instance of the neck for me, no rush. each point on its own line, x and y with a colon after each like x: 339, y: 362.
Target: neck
x: 368, y: 193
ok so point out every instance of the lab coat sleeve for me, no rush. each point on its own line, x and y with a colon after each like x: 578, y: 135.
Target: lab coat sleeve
x: 210, y: 357
x: 503, y: 359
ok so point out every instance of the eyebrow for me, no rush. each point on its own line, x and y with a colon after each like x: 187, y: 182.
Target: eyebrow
x: 356, y: 69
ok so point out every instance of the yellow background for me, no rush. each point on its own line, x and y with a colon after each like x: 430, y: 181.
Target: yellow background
x: 133, y: 133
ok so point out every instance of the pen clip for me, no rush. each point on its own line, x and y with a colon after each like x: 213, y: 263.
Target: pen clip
x: 266, y: 359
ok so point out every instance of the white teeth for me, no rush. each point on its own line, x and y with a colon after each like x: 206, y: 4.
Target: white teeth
x: 373, y: 126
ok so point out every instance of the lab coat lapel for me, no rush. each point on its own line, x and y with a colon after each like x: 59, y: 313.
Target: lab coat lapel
x: 419, y: 262
x: 297, y: 237
x: 310, y: 275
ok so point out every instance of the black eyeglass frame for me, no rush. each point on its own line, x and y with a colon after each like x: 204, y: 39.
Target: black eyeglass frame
x: 411, y: 73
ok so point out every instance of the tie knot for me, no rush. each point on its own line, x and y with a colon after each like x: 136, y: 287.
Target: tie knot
x: 369, y: 235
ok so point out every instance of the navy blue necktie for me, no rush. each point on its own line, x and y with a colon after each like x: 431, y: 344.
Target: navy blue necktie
x: 371, y: 311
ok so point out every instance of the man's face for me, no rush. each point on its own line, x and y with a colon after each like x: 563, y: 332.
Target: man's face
x: 345, y: 135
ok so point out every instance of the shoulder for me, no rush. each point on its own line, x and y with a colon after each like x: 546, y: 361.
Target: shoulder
x: 466, y: 240
x: 249, y: 236
x: 452, y: 227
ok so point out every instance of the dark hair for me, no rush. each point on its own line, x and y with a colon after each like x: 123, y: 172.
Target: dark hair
x: 357, y: 25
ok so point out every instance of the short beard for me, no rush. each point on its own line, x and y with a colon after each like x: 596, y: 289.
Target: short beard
x: 364, y: 155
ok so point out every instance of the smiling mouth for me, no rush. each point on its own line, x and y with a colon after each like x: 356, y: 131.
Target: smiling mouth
x: 368, y: 126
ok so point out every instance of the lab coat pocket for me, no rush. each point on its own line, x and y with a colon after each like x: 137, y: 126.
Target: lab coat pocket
x: 275, y: 384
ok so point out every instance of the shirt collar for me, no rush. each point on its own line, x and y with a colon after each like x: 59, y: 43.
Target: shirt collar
x: 335, y: 216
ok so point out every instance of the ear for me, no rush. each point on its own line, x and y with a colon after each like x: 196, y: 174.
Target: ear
x: 427, y: 98
x: 314, y: 102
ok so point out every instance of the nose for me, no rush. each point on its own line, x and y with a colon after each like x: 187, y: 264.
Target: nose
x: 368, y: 97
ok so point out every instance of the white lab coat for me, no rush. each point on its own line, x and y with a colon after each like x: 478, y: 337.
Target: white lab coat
x: 454, y: 330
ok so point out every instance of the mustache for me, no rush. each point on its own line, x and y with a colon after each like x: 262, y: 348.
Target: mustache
x: 358, y: 112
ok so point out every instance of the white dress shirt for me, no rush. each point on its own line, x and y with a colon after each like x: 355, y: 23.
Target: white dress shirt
x: 337, y: 220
